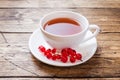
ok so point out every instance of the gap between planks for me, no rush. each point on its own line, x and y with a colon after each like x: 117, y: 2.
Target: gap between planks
x: 59, y: 77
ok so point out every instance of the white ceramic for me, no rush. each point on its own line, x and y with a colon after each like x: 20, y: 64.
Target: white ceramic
x: 73, y: 40
x: 87, y: 49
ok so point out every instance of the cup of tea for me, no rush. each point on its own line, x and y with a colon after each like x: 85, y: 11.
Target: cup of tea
x: 63, y: 29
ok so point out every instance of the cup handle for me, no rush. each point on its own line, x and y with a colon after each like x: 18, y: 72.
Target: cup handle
x: 97, y: 30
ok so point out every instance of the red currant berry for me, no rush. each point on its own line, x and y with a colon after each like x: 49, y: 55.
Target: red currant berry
x: 69, y: 50
x: 54, y: 57
x: 78, y: 56
x: 48, y: 50
x: 64, y: 59
x: 42, y: 48
x: 72, y: 59
x: 64, y: 50
x: 58, y: 56
x: 64, y: 54
x: 54, y: 50
x: 45, y: 53
x: 72, y: 53
x: 48, y: 55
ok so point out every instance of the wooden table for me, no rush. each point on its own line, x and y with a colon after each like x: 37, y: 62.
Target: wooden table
x: 19, y: 18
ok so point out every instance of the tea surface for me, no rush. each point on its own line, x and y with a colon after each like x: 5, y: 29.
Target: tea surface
x: 62, y: 26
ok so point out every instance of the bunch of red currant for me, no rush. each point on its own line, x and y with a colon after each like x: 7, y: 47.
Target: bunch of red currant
x: 66, y: 54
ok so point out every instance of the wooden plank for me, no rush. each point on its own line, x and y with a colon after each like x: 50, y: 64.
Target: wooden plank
x: 108, y: 37
x: 107, y: 41
x: 20, y: 38
x: 31, y: 79
x: 90, y: 79
x: 8, y: 68
x: 21, y: 51
x: 100, y: 14
x: 27, y: 20
x: 33, y: 26
x: 59, y: 79
x: 27, y: 79
x: 19, y: 48
x: 18, y: 43
x: 2, y: 38
x: 59, y: 4
x: 19, y: 3
x: 92, y: 68
x: 17, y: 38
x: 24, y: 37
x: 27, y: 58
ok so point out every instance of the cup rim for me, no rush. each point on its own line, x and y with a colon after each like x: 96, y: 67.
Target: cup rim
x: 64, y: 35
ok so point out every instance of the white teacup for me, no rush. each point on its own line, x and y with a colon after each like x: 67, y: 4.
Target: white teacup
x: 65, y: 41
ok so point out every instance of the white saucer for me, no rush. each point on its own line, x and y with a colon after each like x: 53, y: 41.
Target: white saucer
x: 87, y: 49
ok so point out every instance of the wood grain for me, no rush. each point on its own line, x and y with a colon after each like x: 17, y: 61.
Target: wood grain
x: 17, y: 38
x: 2, y: 38
x: 108, y: 37
x: 27, y: 20
x: 59, y: 4
x: 107, y: 46
x: 91, y: 79
x: 33, y: 26
x: 24, y: 37
x: 59, y: 79
x: 22, y: 50
x: 96, y: 68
